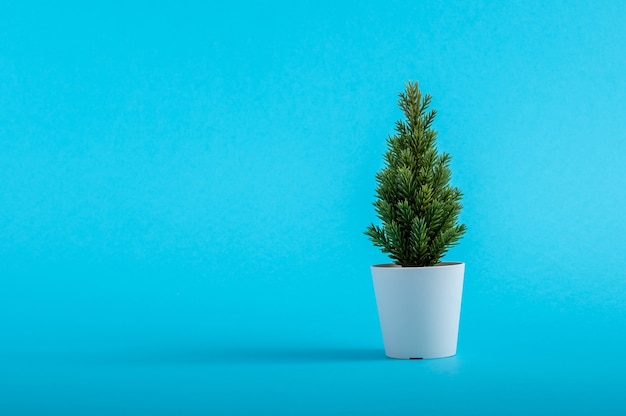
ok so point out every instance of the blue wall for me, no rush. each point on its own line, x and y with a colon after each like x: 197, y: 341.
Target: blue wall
x: 184, y: 190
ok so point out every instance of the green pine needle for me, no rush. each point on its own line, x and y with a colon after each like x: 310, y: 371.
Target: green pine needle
x: 416, y: 204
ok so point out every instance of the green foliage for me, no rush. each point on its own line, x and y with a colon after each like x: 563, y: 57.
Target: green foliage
x: 418, y: 207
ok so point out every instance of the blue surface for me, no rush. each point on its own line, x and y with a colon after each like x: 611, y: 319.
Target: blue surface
x: 185, y: 188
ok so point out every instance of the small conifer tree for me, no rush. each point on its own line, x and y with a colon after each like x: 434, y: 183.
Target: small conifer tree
x: 418, y: 207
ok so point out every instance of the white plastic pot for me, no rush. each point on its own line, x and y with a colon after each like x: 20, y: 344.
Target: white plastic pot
x: 419, y: 309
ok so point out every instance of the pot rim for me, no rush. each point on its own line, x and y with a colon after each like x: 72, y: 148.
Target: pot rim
x: 438, y: 265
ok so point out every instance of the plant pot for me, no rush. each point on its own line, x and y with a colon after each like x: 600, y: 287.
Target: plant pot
x: 419, y: 308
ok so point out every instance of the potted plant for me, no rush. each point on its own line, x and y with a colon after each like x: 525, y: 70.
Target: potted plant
x: 418, y: 296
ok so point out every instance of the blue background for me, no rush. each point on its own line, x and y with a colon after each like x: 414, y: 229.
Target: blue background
x: 184, y: 190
